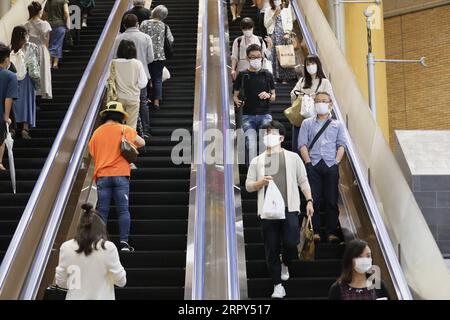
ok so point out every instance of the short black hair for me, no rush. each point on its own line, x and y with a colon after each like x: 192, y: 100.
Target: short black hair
x: 34, y: 8
x: 126, y: 50
x: 114, y: 116
x: 277, y: 125
x: 253, y: 47
x: 130, y: 21
x: 247, y: 23
x: 5, y: 52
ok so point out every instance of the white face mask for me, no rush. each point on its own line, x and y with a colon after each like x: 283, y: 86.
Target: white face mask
x: 277, y: 3
x: 312, y: 69
x: 363, y: 265
x: 248, y: 33
x: 322, y: 108
x: 256, y: 64
x: 272, y: 140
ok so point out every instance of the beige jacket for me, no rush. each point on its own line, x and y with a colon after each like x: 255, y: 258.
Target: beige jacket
x: 286, y: 19
x: 295, y: 177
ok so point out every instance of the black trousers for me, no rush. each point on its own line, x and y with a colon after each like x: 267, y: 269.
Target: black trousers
x: 260, y: 22
x: 324, y: 182
x: 280, y: 236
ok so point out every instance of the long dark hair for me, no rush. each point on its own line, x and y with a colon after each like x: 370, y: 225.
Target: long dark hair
x: 18, y: 38
x: 353, y: 250
x: 91, y: 230
x: 320, y: 74
x: 34, y: 8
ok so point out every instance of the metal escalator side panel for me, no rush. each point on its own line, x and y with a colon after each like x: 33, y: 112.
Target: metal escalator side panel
x: 195, y: 252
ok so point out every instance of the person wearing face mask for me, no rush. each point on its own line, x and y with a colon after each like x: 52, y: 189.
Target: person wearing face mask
x: 353, y: 283
x: 254, y: 90
x: 279, y: 24
x: 8, y: 93
x: 314, y: 81
x: 239, y: 61
x: 321, y: 143
x: 286, y: 170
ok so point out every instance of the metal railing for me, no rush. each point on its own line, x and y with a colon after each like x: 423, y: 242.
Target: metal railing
x: 195, y: 252
x: 395, y: 270
x: 45, y: 208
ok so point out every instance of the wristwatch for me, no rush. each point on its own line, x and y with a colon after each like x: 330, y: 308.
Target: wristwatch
x: 310, y: 200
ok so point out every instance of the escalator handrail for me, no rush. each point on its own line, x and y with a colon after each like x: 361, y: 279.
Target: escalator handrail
x: 200, y: 214
x: 51, y: 159
x: 195, y: 251
x: 398, y: 278
x: 230, y: 211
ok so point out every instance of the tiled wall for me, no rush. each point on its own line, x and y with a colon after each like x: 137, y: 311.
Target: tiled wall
x: 433, y: 196
x: 419, y: 97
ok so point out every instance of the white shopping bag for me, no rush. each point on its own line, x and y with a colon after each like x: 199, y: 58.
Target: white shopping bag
x: 274, y: 207
x: 308, y: 109
x: 166, y: 74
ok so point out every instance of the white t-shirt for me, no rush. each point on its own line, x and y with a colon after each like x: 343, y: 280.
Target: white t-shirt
x: 130, y: 79
x: 239, y: 53
x: 89, y: 277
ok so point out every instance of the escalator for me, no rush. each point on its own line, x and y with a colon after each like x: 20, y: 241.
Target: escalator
x: 309, y: 280
x: 159, y: 190
x: 30, y: 155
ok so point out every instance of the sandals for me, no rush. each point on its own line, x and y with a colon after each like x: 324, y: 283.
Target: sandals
x: 317, y: 238
x: 26, y: 134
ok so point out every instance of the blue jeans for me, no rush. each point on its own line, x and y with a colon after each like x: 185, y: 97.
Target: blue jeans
x: 57, y: 41
x: 251, y: 125
x: 156, y: 72
x: 119, y: 189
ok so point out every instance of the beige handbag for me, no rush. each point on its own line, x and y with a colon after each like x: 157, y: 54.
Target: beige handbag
x: 111, y: 90
x: 306, y: 247
x: 286, y: 56
x: 293, y: 112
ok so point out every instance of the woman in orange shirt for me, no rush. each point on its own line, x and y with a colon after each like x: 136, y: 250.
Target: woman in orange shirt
x: 112, y: 171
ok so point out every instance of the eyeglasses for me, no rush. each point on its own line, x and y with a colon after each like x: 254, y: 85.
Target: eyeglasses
x: 322, y: 101
x: 254, y: 58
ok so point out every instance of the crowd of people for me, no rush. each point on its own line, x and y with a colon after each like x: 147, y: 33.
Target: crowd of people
x: 35, y: 49
x: 318, y: 147
x: 135, y: 85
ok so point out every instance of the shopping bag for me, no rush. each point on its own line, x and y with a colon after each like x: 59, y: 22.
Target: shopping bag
x: 306, y: 247
x: 166, y: 74
x: 274, y: 207
x: 293, y: 112
x: 286, y: 55
x: 308, y: 109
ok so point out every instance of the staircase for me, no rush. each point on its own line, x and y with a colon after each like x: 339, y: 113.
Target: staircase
x: 30, y: 155
x: 308, y: 280
x: 159, y: 191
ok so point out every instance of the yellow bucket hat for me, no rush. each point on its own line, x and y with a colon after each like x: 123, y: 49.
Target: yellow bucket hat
x: 114, y: 106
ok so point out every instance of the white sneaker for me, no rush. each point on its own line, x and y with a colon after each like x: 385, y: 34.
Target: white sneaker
x: 133, y: 166
x: 278, y: 292
x: 284, y: 272
x: 84, y: 24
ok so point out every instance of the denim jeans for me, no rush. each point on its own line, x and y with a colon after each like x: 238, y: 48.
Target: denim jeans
x: 119, y: 189
x: 143, y: 111
x: 156, y: 72
x: 275, y: 233
x: 251, y: 125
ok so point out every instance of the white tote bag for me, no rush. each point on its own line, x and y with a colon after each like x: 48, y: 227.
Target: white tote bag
x: 274, y: 207
x: 166, y: 74
x: 308, y: 109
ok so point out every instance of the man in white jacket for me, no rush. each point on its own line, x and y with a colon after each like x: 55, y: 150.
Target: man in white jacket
x: 286, y: 169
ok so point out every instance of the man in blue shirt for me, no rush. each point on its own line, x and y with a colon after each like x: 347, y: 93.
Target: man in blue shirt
x: 8, y: 93
x: 322, y: 162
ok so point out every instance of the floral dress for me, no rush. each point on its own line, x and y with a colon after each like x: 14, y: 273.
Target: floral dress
x: 280, y: 73
x: 156, y: 30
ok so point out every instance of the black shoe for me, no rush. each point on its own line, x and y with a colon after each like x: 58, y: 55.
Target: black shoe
x: 147, y: 137
x: 125, y: 247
